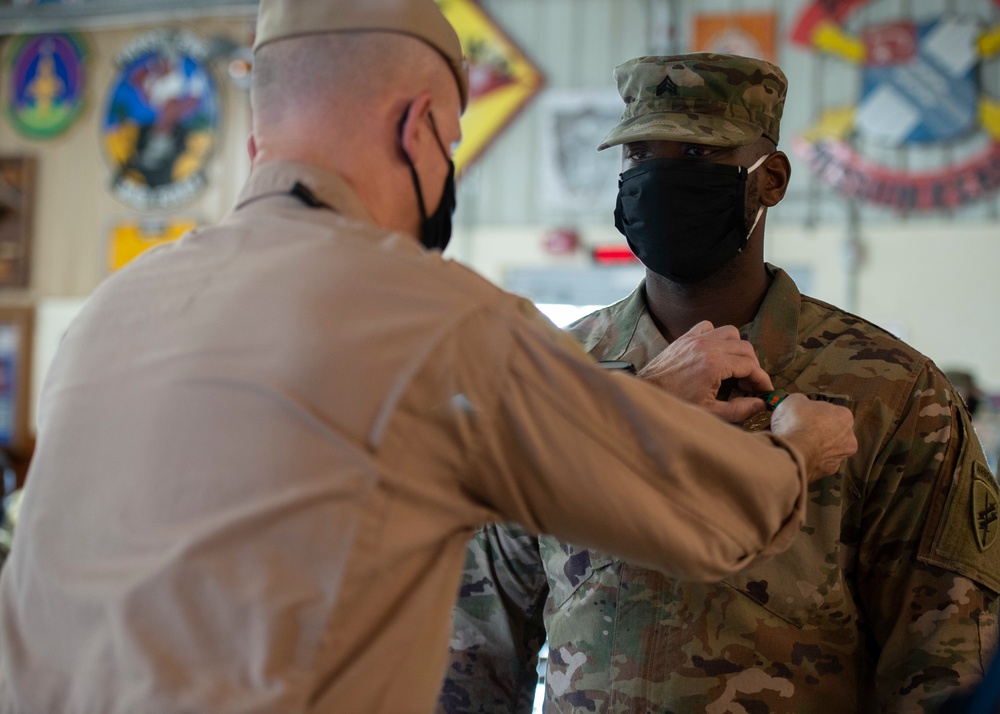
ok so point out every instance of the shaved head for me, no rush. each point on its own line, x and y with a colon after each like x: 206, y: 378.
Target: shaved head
x: 371, y: 107
x: 340, y: 79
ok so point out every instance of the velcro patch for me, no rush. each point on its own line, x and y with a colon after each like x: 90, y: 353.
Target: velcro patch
x: 985, y: 497
x: 964, y: 541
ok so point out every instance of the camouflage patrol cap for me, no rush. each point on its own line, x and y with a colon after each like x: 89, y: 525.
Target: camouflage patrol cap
x: 703, y: 98
x: 281, y: 19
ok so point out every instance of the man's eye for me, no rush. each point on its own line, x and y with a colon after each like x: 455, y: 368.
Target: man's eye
x: 697, y: 152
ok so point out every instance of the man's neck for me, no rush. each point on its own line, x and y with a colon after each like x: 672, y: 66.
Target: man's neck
x: 730, y: 297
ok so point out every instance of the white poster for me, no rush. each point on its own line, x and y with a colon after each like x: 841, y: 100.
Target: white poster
x: 574, y: 175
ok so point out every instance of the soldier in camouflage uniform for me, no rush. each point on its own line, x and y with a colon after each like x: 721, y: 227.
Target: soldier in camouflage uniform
x: 887, y: 600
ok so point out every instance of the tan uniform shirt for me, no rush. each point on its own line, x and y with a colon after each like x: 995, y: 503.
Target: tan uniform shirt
x: 262, y: 450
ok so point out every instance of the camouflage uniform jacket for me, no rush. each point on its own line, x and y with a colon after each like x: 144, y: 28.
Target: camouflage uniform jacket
x: 886, y: 601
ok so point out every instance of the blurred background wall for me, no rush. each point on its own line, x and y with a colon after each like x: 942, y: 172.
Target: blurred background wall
x: 536, y: 201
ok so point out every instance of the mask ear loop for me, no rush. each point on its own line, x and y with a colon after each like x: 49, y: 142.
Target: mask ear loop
x: 760, y: 210
x: 757, y: 163
x: 437, y: 137
x: 409, y: 162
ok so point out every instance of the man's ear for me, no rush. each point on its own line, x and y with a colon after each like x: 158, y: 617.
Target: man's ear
x: 413, y: 125
x: 776, y: 174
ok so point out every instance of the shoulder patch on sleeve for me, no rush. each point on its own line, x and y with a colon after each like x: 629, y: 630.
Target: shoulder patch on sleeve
x: 984, y: 507
x: 965, y: 539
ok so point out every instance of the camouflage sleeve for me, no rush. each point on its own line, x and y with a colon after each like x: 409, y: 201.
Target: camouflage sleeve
x: 928, y: 576
x: 497, y: 630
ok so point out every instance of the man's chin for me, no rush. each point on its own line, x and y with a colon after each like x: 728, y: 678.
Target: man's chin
x: 719, y: 279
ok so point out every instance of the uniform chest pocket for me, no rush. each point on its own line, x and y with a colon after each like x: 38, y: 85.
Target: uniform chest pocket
x: 804, y: 585
x: 568, y: 567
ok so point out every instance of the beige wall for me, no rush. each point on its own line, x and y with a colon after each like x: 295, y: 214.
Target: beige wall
x: 74, y: 206
x: 933, y: 283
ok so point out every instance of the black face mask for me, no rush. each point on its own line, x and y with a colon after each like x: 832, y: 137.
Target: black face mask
x: 435, y: 229
x: 684, y: 219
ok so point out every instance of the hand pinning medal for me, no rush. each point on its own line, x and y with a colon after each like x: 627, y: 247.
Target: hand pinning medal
x: 762, y: 420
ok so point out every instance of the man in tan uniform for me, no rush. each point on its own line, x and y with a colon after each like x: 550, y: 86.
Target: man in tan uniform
x: 262, y: 449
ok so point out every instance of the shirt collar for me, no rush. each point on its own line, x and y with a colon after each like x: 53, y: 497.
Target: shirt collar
x: 278, y: 178
x: 624, y: 330
x: 635, y: 337
x: 775, y: 328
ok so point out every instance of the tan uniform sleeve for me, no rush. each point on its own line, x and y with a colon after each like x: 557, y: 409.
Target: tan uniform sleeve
x: 608, y: 462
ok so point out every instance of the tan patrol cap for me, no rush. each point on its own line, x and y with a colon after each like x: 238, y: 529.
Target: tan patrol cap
x: 701, y: 98
x: 280, y: 19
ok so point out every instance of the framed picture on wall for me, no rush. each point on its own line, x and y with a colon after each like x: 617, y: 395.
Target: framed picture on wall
x: 130, y: 237
x: 502, y: 78
x: 575, y: 176
x: 750, y: 34
x: 17, y: 198
x: 16, y: 324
